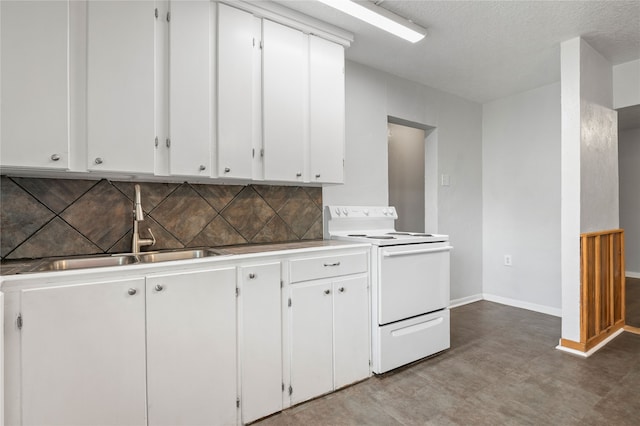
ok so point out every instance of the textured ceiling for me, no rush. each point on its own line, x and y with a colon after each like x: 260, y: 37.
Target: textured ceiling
x: 485, y: 50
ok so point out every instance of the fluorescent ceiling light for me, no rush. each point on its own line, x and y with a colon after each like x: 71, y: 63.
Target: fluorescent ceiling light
x: 379, y: 17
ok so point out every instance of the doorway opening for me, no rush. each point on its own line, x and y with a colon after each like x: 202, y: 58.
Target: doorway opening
x: 412, y: 165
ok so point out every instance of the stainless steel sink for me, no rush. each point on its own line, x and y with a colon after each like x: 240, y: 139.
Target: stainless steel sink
x: 123, y: 259
x: 166, y: 256
x: 86, y: 262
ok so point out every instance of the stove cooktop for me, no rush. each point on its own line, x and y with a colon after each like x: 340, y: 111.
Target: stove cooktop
x: 390, y: 237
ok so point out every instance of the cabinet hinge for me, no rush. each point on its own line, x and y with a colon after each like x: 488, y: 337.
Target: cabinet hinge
x: 237, y: 291
x: 19, y: 321
x: 253, y: 153
x: 289, y: 304
x: 369, y: 363
x: 156, y: 141
x: 168, y: 16
x: 168, y: 143
x: 254, y: 42
x: 283, y: 387
x: 290, y: 390
x: 262, y: 152
x: 238, y: 402
x: 281, y: 283
x: 156, y: 13
x: 260, y: 44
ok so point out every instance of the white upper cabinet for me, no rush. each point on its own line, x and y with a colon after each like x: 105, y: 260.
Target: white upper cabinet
x: 326, y: 111
x: 284, y: 102
x: 34, y: 125
x: 190, y: 95
x: 121, y: 86
x: 238, y: 60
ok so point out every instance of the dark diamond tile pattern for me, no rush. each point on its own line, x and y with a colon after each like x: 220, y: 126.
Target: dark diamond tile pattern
x: 300, y: 212
x: 63, y: 217
x: 59, y: 196
x: 275, y: 196
x: 184, y: 213
x: 248, y: 213
x: 56, y: 238
x: 103, y: 215
x: 218, y: 196
x: 217, y: 233
x: 151, y: 194
x: 275, y: 231
x: 20, y: 215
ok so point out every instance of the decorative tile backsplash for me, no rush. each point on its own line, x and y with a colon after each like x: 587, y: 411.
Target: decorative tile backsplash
x: 63, y: 217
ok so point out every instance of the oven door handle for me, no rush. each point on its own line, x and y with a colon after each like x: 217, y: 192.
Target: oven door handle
x: 410, y: 252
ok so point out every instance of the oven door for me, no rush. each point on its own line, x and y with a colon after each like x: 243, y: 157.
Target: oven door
x: 413, y: 280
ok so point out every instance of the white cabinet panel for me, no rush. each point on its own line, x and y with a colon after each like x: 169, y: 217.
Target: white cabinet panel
x: 34, y: 83
x: 120, y: 86
x: 190, y: 67
x: 237, y: 43
x: 326, y: 110
x: 191, y: 341
x: 311, y: 341
x: 285, y: 106
x: 83, y: 354
x: 260, y: 329
x: 350, y: 330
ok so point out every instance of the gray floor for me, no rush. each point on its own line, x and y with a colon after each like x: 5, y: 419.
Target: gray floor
x: 502, y: 369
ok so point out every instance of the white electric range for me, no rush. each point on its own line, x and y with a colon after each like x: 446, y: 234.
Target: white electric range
x: 409, y: 283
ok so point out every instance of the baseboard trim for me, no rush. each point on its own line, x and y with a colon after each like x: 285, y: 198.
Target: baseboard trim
x: 524, y: 305
x: 455, y: 303
x: 632, y: 274
x: 568, y: 345
x: 632, y: 329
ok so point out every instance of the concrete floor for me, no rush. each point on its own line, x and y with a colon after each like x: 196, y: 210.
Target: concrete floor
x: 502, y: 369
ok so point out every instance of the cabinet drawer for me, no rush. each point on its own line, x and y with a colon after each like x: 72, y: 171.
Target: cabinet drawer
x: 327, y: 266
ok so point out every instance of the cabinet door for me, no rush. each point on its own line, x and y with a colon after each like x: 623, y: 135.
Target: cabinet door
x: 191, y: 348
x: 311, y: 341
x: 83, y: 354
x: 190, y: 88
x: 285, y: 107
x: 260, y: 331
x: 326, y: 110
x: 120, y: 86
x: 34, y: 82
x: 237, y: 46
x: 351, y: 330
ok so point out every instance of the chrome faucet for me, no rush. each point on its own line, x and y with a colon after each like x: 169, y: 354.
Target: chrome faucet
x: 138, y: 216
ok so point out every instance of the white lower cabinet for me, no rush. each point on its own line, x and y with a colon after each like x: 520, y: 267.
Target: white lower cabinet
x: 83, y: 354
x: 328, y: 324
x: 191, y: 348
x: 260, y: 340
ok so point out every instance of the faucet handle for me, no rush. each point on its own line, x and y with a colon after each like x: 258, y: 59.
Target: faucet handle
x: 152, y: 237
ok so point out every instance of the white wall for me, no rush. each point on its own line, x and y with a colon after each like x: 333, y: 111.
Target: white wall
x: 521, y: 199
x: 599, y: 201
x: 589, y: 169
x: 626, y: 84
x: 629, y: 155
x: 371, y: 96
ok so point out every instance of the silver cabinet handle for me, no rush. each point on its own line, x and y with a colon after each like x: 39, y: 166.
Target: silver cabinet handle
x: 159, y: 287
x: 252, y: 276
x: 317, y: 175
x: 227, y: 169
x: 341, y: 289
x: 332, y: 264
x: 98, y: 160
x: 132, y: 291
x: 55, y: 157
x: 298, y: 174
x: 203, y: 167
x: 327, y: 291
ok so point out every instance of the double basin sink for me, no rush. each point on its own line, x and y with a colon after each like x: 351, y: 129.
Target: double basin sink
x: 124, y: 259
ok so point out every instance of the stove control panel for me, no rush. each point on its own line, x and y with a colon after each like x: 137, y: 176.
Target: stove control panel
x: 357, y: 212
